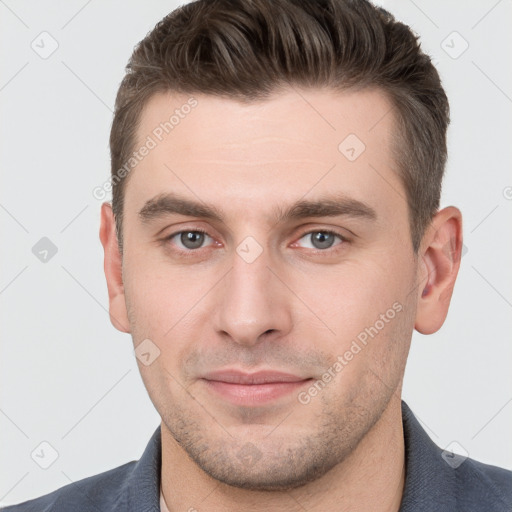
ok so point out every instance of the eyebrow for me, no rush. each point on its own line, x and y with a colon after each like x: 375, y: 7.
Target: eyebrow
x: 330, y: 206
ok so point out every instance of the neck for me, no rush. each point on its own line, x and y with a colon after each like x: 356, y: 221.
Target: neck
x: 372, y: 477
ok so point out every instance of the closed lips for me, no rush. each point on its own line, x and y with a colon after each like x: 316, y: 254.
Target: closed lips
x: 262, y: 377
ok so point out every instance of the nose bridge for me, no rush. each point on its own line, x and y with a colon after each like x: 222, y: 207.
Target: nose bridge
x: 251, y: 300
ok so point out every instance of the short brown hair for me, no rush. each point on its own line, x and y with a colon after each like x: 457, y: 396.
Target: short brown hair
x: 248, y: 49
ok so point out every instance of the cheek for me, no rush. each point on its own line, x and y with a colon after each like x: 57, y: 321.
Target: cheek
x: 352, y: 298
x: 368, y: 308
x: 157, y: 290
x: 167, y: 305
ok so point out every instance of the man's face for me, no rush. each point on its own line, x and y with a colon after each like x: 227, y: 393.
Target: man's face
x: 267, y: 288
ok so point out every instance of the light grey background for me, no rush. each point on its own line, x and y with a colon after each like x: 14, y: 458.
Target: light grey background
x: 70, y: 379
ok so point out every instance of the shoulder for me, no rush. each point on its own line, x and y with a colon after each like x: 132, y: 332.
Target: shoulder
x: 480, y: 483
x: 133, y: 486
x: 443, y: 481
x: 96, y: 493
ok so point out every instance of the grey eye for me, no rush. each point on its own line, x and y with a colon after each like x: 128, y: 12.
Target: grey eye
x: 320, y: 239
x: 192, y: 239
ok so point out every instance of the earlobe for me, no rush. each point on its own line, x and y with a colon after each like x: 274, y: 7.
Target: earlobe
x: 113, y: 270
x: 440, y: 255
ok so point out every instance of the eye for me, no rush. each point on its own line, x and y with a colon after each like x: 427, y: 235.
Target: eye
x: 190, y: 239
x: 322, y: 239
x: 194, y: 239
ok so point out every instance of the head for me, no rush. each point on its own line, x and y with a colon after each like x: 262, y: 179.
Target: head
x: 281, y: 213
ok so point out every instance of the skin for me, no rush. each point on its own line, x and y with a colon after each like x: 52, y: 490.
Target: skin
x: 295, y: 308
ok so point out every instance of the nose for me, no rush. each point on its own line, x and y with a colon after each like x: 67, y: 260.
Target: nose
x: 252, y: 303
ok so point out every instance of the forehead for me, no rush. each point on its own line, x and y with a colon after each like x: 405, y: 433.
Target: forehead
x: 247, y: 156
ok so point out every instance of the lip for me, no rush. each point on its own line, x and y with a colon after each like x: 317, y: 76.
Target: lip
x: 251, y: 389
x: 260, y: 377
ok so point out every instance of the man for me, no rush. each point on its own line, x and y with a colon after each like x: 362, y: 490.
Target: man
x: 274, y: 239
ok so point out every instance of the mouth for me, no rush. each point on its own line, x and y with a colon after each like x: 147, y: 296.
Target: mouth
x: 252, y: 389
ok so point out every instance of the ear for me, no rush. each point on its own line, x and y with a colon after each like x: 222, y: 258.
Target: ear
x: 113, y: 266
x: 440, y: 255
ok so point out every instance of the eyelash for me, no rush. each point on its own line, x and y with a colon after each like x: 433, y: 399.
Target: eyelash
x: 329, y: 250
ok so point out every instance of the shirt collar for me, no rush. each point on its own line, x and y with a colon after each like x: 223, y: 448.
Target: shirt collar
x: 429, y: 480
x: 143, y: 485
